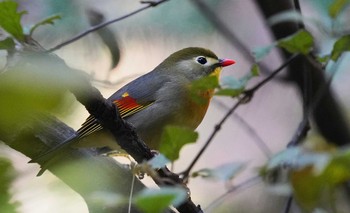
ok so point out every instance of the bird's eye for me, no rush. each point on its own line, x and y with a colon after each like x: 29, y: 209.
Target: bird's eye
x: 201, y: 60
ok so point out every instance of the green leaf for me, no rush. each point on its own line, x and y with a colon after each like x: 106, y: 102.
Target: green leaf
x: 10, y: 19
x: 311, y: 184
x: 338, y: 170
x: 234, y: 87
x: 157, y: 200
x: 202, y: 86
x: 260, y: 52
x: 24, y: 93
x: 255, y: 70
x: 321, y: 183
x: 174, y: 138
x: 307, y: 188
x: 277, y: 173
x: 296, y: 158
x: 36, y: 84
x: 7, y: 176
x: 49, y: 20
x: 313, y: 175
x: 340, y: 46
x: 209, y: 82
x: 337, y: 7
x: 284, y: 157
x: 224, y: 172
x: 323, y: 59
x: 234, y: 83
x: 300, y: 42
x: 7, y: 44
x: 158, y: 161
x: 229, y: 92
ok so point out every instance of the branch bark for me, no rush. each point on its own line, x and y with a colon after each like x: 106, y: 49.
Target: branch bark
x: 81, y: 170
x: 88, y: 174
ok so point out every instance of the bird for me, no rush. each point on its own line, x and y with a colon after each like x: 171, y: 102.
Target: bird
x: 154, y: 100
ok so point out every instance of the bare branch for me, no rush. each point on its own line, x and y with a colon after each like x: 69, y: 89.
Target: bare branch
x: 247, y: 96
x: 72, y: 167
x: 211, y: 137
x: 272, y: 75
x: 226, y: 32
x: 99, y: 26
x: 250, y: 130
x: 108, y: 116
x: 240, y: 187
x: 288, y: 204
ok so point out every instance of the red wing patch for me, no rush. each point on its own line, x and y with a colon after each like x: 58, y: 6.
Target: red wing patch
x: 126, y: 105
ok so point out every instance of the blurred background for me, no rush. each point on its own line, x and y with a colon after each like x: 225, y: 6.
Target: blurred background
x: 145, y: 40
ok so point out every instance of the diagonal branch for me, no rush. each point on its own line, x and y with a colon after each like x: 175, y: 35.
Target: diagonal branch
x: 108, y: 116
x: 260, y: 143
x: 247, y: 96
x: 235, y: 189
x: 231, y: 37
x: 99, y: 26
x: 105, y: 175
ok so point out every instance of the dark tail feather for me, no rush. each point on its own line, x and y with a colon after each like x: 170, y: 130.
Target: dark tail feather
x: 45, y: 158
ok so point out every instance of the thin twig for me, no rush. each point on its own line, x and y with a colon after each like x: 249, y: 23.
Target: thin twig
x: 226, y: 32
x: 301, y: 132
x: 333, y: 126
x: 131, y: 193
x: 211, y: 137
x: 298, y: 9
x: 240, y: 187
x: 273, y: 74
x: 304, y: 126
x: 247, y: 95
x: 288, y: 204
x: 99, y: 26
x: 250, y: 130
x: 321, y: 91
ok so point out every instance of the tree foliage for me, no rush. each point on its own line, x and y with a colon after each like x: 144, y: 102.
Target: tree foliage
x: 312, y: 174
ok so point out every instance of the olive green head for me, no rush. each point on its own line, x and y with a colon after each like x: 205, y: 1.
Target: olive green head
x: 193, y: 63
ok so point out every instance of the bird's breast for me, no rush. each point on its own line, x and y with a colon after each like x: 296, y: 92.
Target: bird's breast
x: 197, y: 106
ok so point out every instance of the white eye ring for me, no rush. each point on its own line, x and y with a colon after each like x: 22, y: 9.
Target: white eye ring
x: 201, y: 60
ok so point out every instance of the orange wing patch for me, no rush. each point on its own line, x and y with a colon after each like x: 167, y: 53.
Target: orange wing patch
x: 128, y: 105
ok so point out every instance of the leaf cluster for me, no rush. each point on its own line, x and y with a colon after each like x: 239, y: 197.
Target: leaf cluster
x: 7, y: 175
x: 312, y: 175
x: 10, y: 22
x: 303, y: 42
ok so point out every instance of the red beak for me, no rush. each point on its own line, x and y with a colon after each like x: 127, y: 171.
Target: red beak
x: 226, y: 62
